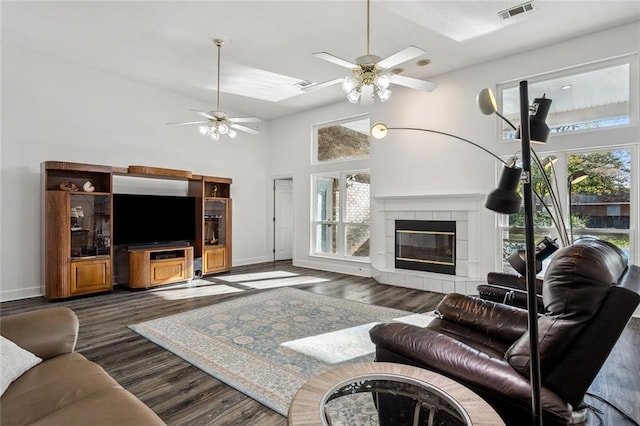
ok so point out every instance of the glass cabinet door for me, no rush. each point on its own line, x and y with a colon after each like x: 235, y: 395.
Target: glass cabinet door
x: 90, y: 225
x: 215, y: 222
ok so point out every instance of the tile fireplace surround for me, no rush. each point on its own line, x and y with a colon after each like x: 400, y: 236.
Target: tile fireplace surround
x: 462, y: 208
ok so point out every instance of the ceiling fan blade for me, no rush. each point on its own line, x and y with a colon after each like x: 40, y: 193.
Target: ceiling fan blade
x: 244, y: 120
x: 402, y: 56
x: 204, y: 114
x: 413, y: 83
x: 245, y: 129
x: 324, y: 84
x: 334, y: 59
x: 187, y: 122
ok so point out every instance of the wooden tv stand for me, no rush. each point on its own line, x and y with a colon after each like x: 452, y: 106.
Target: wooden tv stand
x: 150, y: 267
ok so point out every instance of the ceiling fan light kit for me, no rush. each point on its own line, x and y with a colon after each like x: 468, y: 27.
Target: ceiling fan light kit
x: 372, y: 75
x: 217, y: 122
x: 367, y: 74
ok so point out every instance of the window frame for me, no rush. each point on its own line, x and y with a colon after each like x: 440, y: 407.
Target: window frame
x: 563, y: 196
x: 341, y: 223
x: 317, y: 127
x: 335, y: 168
x: 628, y: 59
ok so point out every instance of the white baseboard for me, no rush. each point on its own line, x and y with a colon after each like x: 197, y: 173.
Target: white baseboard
x: 250, y: 261
x: 359, y: 269
x: 22, y: 293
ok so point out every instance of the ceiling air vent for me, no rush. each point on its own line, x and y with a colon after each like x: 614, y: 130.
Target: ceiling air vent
x: 517, y: 10
x: 304, y: 83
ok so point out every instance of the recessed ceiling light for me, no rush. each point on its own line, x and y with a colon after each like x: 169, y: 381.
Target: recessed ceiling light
x: 423, y: 62
x: 565, y: 87
x: 397, y: 70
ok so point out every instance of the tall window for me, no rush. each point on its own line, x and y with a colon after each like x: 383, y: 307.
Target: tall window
x: 599, y: 186
x: 593, y: 186
x: 341, y: 189
x: 594, y: 189
x: 342, y: 214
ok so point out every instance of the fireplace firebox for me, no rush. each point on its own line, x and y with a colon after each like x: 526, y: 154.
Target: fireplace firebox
x: 426, y: 245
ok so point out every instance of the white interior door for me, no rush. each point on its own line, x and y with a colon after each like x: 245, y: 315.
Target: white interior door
x: 283, y: 219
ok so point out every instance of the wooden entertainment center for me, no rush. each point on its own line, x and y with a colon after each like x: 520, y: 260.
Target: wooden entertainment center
x: 149, y: 267
x: 77, y: 212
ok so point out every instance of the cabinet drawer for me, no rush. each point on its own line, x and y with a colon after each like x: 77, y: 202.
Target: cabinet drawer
x: 215, y: 259
x: 89, y: 276
x: 166, y: 271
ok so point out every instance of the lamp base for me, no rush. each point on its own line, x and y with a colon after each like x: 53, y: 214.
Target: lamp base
x: 579, y: 416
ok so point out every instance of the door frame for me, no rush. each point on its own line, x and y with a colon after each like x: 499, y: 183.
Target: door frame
x: 272, y: 214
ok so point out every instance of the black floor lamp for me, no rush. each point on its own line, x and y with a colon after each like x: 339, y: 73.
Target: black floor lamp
x: 534, y: 123
x: 532, y: 303
x: 506, y: 200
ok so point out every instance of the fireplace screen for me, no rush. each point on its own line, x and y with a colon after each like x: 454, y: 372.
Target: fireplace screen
x: 426, y: 245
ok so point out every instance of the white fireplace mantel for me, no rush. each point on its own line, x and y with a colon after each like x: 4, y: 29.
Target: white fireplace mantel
x: 463, y: 208
x: 435, y: 202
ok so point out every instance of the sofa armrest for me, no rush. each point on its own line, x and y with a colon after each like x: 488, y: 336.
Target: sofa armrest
x: 445, y: 355
x: 45, y: 333
x: 496, y: 320
x: 513, y: 281
x: 507, y: 295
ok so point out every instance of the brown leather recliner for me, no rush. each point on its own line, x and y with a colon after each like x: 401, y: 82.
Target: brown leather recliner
x: 589, y: 295
x: 510, y: 289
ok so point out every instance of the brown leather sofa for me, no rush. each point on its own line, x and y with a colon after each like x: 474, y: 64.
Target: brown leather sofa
x: 65, y: 388
x: 589, y: 295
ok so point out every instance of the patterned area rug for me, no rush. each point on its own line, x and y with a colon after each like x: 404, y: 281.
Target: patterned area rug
x: 243, y: 342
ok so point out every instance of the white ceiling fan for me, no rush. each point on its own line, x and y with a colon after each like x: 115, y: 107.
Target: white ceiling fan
x: 217, y: 122
x: 371, y: 74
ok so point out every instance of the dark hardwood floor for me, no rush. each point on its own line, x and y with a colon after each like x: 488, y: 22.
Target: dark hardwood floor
x: 183, y: 395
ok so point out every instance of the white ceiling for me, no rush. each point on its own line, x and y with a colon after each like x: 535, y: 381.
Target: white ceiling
x: 268, y: 44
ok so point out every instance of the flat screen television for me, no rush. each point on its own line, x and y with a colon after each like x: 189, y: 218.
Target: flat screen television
x: 153, y: 219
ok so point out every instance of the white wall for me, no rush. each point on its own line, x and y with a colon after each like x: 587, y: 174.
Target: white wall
x: 56, y: 110
x: 290, y: 155
x: 415, y: 163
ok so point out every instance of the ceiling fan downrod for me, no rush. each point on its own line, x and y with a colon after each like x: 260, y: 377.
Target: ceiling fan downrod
x: 368, y: 25
x: 218, y: 43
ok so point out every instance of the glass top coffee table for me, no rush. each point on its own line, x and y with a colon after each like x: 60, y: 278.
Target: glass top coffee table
x: 348, y: 395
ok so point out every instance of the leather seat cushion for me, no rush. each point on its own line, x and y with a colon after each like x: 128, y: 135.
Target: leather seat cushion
x: 492, y: 347
x: 112, y: 406
x: 57, y: 387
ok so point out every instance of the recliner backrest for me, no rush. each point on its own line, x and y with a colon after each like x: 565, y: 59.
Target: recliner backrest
x: 571, y: 377
x: 579, y: 276
x: 576, y: 284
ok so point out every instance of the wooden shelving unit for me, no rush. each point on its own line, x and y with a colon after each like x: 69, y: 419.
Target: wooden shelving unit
x: 214, y: 243
x: 77, y: 254
x: 77, y: 229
